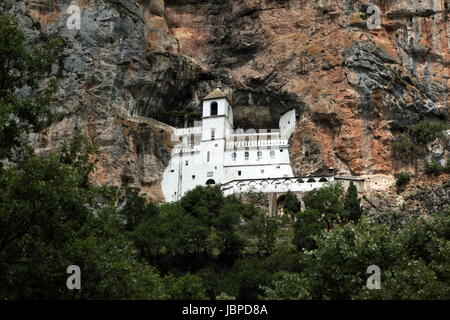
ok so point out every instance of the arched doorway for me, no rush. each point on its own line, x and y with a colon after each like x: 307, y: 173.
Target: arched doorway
x: 210, y: 182
x: 280, y: 205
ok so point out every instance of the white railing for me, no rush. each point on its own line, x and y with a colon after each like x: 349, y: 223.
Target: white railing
x: 231, y: 134
x: 188, y: 131
x: 293, y: 184
x: 179, y: 148
x: 257, y: 143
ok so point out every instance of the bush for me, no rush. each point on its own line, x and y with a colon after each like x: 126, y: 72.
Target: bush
x: 426, y: 131
x: 402, y: 179
x: 405, y: 148
x: 433, y: 168
x: 328, y: 202
x: 291, y: 204
x: 309, y: 224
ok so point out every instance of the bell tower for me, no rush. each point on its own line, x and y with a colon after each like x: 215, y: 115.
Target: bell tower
x: 217, y: 116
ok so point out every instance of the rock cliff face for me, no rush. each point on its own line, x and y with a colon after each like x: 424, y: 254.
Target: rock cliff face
x: 356, y: 89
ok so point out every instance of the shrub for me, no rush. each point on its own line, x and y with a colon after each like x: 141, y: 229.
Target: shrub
x: 433, y: 168
x: 426, y: 131
x: 291, y: 204
x: 402, y: 179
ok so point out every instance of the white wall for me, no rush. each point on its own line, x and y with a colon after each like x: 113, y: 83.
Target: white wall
x: 287, y: 124
x: 223, y: 108
x: 272, y: 186
x: 221, y: 167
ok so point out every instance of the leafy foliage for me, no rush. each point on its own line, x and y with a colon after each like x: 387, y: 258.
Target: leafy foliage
x: 308, y: 225
x: 426, y: 131
x: 291, y: 204
x: 433, y: 168
x: 49, y: 219
x: 25, y: 89
x: 352, y: 204
x: 402, y: 179
x: 412, y: 145
x: 327, y: 201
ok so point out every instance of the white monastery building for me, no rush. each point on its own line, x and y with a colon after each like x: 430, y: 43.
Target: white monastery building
x: 213, y: 153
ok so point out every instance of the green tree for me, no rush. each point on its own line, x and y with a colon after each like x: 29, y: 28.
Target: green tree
x: 137, y: 209
x: 412, y: 145
x: 204, y: 203
x: 402, y: 180
x: 186, y: 287
x: 328, y: 202
x: 284, y: 258
x: 25, y: 87
x: 286, y: 286
x: 308, y: 225
x: 426, y: 131
x: 352, y: 204
x: 174, y: 241
x: 291, y: 205
x: 265, y: 229
x: 49, y: 219
x: 337, y: 268
x: 246, y: 279
x: 230, y: 237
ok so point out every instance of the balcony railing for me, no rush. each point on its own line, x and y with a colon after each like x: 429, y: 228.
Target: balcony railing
x: 179, y: 148
x: 188, y: 131
x: 257, y: 143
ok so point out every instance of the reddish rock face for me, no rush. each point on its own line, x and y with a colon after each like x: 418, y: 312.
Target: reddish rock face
x: 356, y: 89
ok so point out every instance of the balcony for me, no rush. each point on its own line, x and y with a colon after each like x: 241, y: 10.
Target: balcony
x: 188, y: 131
x: 185, y: 149
x: 257, y: 143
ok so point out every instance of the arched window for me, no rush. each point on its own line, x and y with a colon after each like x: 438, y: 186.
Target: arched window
x: 259, y: 155
x: 234, y: 156
x: 213, y: 134
x: 247, y: 155
x: 208, y: 156
x: 214, y: 108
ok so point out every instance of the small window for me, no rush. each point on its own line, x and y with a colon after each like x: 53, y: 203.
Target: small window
x: 208, y: 156
x: 172, y: 170
x: 272, y: 154
x: 193, y: 177
x: 214, y: 108
x: 187, y: 162
x: 234, y: 156
x: 259, y: 155
x: 262, y: 171
x: 239, y: 173
x: 247, y: 155
x: 281, y: 150
x: 213, y: 134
